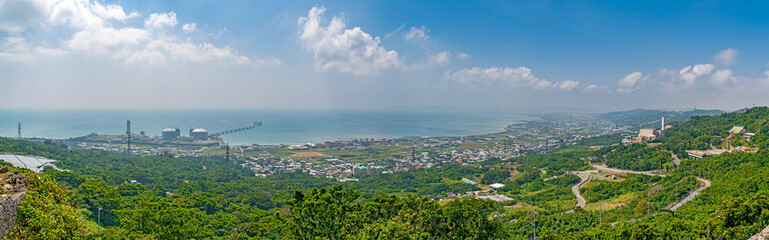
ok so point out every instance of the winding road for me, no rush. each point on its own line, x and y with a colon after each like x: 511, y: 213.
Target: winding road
x: 703, y: 184
x: 584, y: 178
x: 604, y: 168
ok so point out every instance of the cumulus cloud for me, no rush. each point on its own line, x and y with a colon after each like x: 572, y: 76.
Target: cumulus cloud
x: 161, y: 20
x: 189, y: 27
x: 87, y: 13
x: 690, y: 73
x: 186, y: 51
x: 567, y: 85
x: 726, y: 57
x: 630, y: 80
x: 520, y: 76
x: 100, y: 40
x: 462, y: 56
x: 416, y: 34
x: 441, y: 58
x: 101, y: 29
x: 723, y: 76
x: 17, y: 49
x: 339, y: 48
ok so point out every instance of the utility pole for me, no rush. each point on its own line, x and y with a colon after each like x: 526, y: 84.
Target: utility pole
x: 600, y: 214
x: 535, y: 224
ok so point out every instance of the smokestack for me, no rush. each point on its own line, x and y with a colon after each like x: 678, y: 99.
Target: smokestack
x: 663, y: 124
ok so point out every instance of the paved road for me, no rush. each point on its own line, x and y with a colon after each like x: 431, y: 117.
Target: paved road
x: 584, y: 178
x: 676, y: 161
x: 703, y: 184
x: 604, y: 168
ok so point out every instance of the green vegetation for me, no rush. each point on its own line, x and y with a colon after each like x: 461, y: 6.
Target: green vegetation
x: 703, y: 132
x: 47, y: 213
x: 637, y: 157
x: 644, y: 118
x: 180, y: 199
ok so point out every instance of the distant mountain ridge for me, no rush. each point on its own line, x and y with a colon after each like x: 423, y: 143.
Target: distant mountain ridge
x: 648, y: 118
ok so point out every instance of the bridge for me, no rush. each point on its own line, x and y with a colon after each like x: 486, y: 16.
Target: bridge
x: 255, y: 125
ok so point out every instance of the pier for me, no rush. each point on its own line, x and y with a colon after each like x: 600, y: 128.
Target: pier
x: 255, y: 125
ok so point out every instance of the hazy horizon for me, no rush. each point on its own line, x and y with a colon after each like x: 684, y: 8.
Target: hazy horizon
x: 591, y: 56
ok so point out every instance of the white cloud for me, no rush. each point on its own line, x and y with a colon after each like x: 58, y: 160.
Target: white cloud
x: 186, y: 51
x: 390, y: 34
x: 150, y: 56
x: 272, y: 60
x: 520, y: 76
x: 161, y: 20
x: 17, y: 15
x: 345, y: 50
x: 100, y: 40
x: 16, y: 49
x: 462, y: 56
x: 441, y: 58
x: 726, y: 57
x: 416, y: 34
x: 596, y: 88
x: 690, y: 73
x: 721, y: 77
x: 189, y: 27
x: 567, y: 85
x: 630, y: 80
x: 542, y: 84
x: 101, y: 29
x: 87, y: 14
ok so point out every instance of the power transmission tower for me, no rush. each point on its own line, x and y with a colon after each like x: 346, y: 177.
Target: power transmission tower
x: 600, y: 214
x: 128, y: 133
x: 535, y: 224
x: 227, y: 156
x: 19, y: 130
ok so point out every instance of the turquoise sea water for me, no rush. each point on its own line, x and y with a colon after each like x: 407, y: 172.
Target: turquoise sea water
x: 280, y: 126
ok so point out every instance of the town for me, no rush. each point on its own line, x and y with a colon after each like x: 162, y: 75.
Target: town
x: 343, y: 160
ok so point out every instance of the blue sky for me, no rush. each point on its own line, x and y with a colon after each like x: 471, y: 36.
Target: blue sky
x: 591, y: 55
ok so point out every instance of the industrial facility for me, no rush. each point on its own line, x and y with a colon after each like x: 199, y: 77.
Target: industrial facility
x: 171, y: 134
x: 199, y: 134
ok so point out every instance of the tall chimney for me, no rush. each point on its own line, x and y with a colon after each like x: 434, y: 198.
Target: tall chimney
x: 663, y: 124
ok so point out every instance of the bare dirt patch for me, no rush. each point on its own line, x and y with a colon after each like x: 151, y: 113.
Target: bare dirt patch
x: 307, y: 154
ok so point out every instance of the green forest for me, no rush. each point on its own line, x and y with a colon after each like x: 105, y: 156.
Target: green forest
x: 213, y: 198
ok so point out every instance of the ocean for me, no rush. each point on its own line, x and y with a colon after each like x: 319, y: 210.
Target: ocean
x: 279, y: 126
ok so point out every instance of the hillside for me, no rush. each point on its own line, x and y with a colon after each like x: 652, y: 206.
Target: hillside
x: 211, y: 198
x: 646, y: 118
